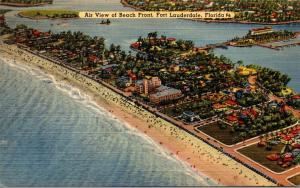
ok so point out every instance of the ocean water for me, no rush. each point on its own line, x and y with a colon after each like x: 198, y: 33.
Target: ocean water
x: 51, y: 134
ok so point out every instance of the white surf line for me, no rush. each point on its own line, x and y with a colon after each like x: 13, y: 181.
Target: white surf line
x: 69, y: 89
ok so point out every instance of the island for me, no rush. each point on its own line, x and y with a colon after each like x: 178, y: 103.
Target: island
x: 48, y: 14
x: 247, y: 11
x: 267, y: 37
x: 27, y: 3
x: 186, y: 96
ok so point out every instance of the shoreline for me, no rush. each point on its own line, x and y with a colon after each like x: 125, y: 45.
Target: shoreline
x: 59, y: 79
x: 202, y: 157
x: 244, y: 22
x: 43, y: 18
x: 125, y: 4
x: 269, y: 43
x: 23, y: 5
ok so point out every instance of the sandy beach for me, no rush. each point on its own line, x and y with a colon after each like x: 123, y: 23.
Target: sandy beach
x: 199, y: 156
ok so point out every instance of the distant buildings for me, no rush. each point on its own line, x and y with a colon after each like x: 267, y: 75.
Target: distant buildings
x: 260, y: 31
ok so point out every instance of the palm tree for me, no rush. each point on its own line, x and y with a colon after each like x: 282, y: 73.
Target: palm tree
x: 240, y: 63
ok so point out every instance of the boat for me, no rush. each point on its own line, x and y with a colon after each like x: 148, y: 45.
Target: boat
x: 105, y: 22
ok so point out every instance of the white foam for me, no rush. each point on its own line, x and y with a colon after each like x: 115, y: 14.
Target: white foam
x: 1, y: 185
x: 3, y: 142
x: 85, y: 99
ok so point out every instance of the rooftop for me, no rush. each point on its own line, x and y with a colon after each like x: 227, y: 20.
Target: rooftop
x: 109, y: 66
x: 261, y: 29
x: 165, y: 91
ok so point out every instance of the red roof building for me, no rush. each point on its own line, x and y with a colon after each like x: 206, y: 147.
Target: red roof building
x: 296, y: 146
x: 287, y: 138
x: 93, y: 58
x: 171, y: 39
x: 254, y: 113
x: 274, y: 15
x: 36, y: 33
x: 273, y: 157
x: 296, y: 97
x: 136, y: 45
x: 295, y: 132
x: 231, y: 102
x: 2, y: 19
x: 232, y: 118
x: 288, y: 157
x: 132, y: 76
x: 241, y: 122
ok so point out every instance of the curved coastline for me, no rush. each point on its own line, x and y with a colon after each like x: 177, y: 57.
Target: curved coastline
x: 22, y: 5
x: 201, y: 156
x: 81, y: 97
x: 245, y: 22
x: 19, y: 14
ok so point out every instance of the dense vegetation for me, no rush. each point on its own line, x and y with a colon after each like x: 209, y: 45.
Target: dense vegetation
x: 203, y: 109
x: 3, y: 11
x: 294, y: 102
x: 36, y: 14
x: 249, y: 10
x: 250, y: 39
x: 273, y: 80
x: 204, y: 79
x: 250, y: 99
x: 26, y: 2
x: 271, y: 118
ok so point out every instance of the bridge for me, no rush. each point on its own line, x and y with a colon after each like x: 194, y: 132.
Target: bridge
x: 223, y: 45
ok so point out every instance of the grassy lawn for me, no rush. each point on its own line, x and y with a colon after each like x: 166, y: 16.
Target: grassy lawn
x: 198, y: 106
x: 259, y: 154
x: 295, y: 180
x: 223, y: 135
x: 48, y: 13
x: 170, y: 112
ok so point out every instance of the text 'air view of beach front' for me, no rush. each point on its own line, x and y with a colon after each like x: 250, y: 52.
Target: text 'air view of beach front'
x: 179, y: 99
